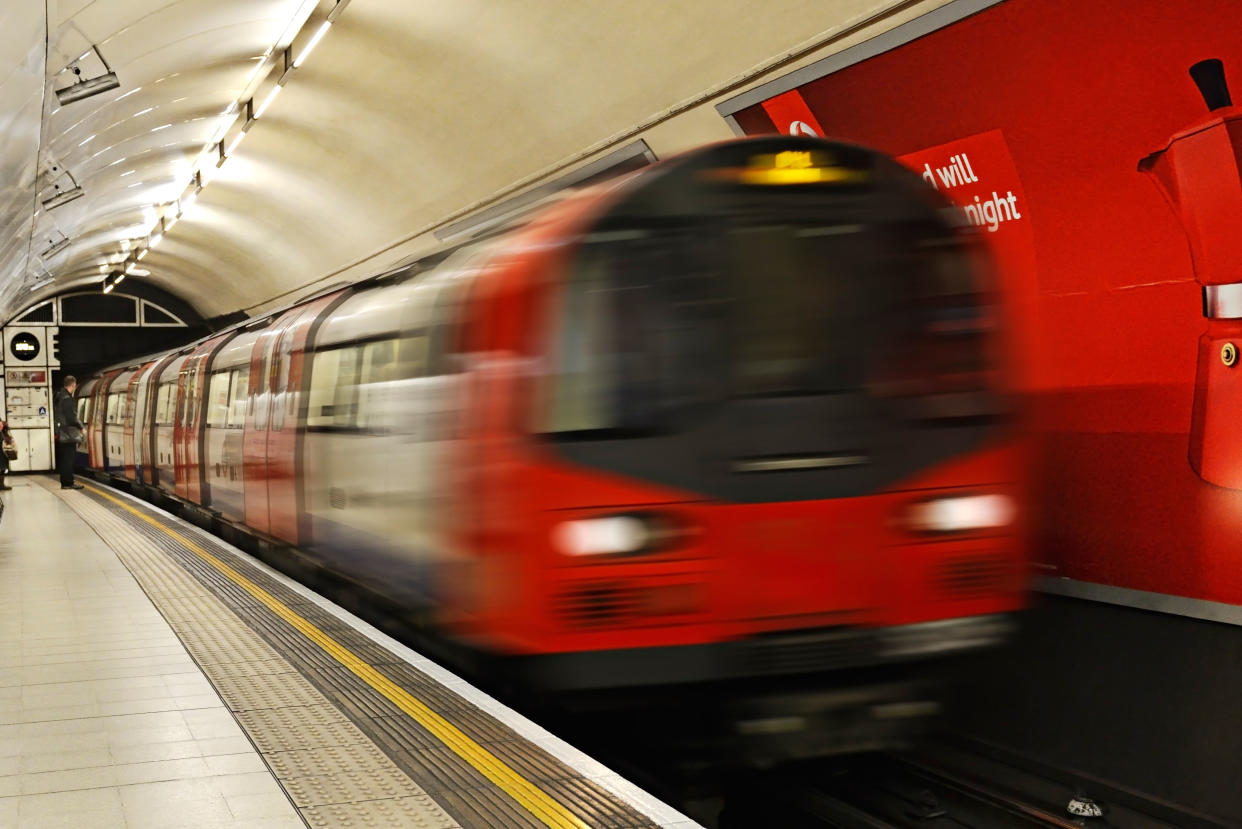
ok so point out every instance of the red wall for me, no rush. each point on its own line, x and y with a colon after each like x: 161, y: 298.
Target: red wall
x: 1056, y: 101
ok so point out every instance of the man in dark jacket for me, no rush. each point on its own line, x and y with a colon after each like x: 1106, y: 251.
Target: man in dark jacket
x: 68, y: 431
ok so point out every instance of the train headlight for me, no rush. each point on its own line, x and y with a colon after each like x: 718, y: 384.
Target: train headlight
x: 962, y: 513
x: 612, y: 535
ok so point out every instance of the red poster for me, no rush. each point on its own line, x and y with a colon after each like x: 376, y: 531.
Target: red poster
x: 978, y: 174
x: 791, y: 115
x: 1035, y: 116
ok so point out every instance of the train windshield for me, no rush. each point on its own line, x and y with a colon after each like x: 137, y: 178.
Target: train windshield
x: 661, y: 324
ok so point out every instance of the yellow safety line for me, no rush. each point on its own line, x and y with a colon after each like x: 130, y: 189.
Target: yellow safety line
x: 531, y: 797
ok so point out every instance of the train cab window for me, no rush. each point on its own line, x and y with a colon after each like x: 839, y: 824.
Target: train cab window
x: 240, y: 391
x: 84, y: 409
x: 218, y: 400
x: 588, y: 362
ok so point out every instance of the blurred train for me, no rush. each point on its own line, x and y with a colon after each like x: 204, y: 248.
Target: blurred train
x: 737, y: 416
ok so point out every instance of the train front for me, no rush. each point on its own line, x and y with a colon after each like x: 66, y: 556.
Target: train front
x: 759, y: 441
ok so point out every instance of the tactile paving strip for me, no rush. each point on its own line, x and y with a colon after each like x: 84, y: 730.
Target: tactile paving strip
x: 463, y: 792
x: 353, y: 783
x: 397, y: 813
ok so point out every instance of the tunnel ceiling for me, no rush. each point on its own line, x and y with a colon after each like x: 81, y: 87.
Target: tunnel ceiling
x: 407, y: 114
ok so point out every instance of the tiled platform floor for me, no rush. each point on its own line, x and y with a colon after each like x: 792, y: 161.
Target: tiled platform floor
x: 105, y: 721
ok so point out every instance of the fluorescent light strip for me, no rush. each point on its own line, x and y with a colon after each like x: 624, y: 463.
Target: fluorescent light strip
x: 237, y: 139
x: 314, y: 41
x: 267, y: 102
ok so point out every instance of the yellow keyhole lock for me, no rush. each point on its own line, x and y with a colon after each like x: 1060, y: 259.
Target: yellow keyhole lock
x: 1229, y: 354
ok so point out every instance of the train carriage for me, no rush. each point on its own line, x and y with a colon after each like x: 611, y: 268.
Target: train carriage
x: 740, y: 414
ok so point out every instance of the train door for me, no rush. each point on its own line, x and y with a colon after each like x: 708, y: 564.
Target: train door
x: 113, y: 429
x: 286, y: 417
x: 263, y: 365
x: 194, y: 434
x: 86, y: 401
x: 99, y: 405
x: 180, y: 427
x: 167, y: 393
x: 84, y: 398
x: 149, y: 420
x: 148, y: 376
x: 129, y: 425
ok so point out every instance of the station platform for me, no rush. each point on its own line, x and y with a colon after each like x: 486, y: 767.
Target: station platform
x: 153, y: 676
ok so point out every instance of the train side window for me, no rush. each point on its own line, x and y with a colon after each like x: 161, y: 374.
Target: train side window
x: 443, y: 348
x: 285, y: 396
x: 345, y: 400
x: 334, y: 388
x: 218, y: 400
x: 114, y: 401
x: 195, y: 393
x: 384, y: 363
x: 262, y: 400
x: 185, y: 400
x: 164, y: 405
x: 412, y: 353
x: 240, y: 393
x: 322, y: 388
x: 82, y: 410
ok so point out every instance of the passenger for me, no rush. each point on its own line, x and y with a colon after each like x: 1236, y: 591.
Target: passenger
x: 9, y: 452
x: 68, y: 432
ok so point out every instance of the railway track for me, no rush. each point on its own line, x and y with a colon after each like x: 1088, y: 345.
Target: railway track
x: 944, y: 788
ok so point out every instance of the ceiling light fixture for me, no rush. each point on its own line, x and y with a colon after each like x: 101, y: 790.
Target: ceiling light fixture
x: 143, y: 253
x: 63, y: 196
x: 55, y: 247
x: 87, y: 87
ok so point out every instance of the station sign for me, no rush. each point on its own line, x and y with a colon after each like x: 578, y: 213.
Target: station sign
x: 24, y: 346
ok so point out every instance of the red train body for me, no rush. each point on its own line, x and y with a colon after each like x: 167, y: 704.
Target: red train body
x: 459, y: 435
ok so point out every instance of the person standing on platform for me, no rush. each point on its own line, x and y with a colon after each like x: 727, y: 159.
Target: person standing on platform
x: 8, y: 453
x: 68, y: 432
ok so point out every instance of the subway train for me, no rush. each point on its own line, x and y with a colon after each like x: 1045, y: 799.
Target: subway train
x: 737, y: 416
